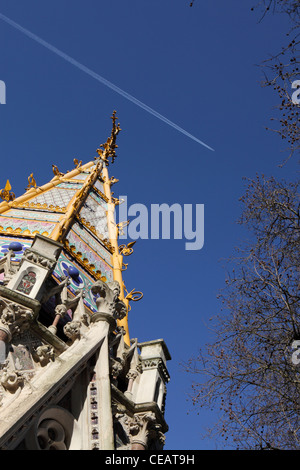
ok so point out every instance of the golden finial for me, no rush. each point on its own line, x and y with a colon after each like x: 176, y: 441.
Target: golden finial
x: 56, y: 171
x: 77, y: 163
x: 31, y: 182
x: 108, y: 150
x: 5, y: 193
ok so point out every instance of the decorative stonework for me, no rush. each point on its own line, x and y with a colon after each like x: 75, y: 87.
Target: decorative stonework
x: 94, y: 414
x: 21, y: 357
x: 52, y: 430
x: 108, y: 301
x: 44, y: 376
x: 156, y: 363
x: 11, y: 380
x: 66, y: 303
x: 44, y: 354
x: 39, y: 259
x: 51, y: 435
x: 116, y: 368
x: 132, y: 374
x: 139, y: 427
x: 8, y: 266
x: 14, y: 317
x: 72, y: 330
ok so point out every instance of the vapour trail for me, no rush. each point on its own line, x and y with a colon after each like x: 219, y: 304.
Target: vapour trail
x: 100, y: 79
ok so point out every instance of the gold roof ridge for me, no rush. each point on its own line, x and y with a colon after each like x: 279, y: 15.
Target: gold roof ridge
x: 36, y: 191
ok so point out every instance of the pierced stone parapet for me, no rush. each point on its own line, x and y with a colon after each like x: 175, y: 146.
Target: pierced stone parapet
x: 38, y: 259
x: 157, y: 363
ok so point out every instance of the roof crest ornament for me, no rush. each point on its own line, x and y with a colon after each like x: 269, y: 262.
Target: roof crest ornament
x: 108, y: 150
x: 6, y: 194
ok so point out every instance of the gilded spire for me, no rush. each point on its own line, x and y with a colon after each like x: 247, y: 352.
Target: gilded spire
x: 108, y: 150
x: 75, y: 204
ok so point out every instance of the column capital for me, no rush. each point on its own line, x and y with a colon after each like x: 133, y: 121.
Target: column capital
x: 139, y: 426
x: 110, y: 307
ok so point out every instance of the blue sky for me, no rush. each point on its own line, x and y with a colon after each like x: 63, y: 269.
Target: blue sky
x: 199, y: 68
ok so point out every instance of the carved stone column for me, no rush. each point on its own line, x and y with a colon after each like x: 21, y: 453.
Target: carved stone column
x: 131, y: 376
x: 110, y: 308
x: 139, y: 427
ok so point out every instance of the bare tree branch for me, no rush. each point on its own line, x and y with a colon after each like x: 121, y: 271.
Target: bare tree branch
x: 247, y: 371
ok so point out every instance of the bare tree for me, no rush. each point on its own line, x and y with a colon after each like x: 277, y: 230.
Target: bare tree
x: 282, y: 72
x: 247, y: 371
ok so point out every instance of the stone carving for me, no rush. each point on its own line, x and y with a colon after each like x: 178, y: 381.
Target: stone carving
x: 57, y: 290
x: 156, y: 363
x: 139, y: 427
x: 116, y: 368
x: 132, y: 374
x: 161, y: 438
x: 108, y: 301
x: 8, y: 266
x: 11, y: 380
x: 72, y: 329
x: 38, y: 259
x: 51, y: 435
x: 65, y: 303
x: 44, y: 354
x: 14, y: 318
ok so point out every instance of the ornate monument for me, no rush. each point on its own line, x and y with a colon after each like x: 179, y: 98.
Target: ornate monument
x: 71, y: 378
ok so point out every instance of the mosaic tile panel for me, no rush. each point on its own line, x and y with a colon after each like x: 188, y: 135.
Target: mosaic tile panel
x: 31, y: 214
x: 55, y: 197
x: 91, y: 241
x: 95, y: 214
x: 90, y: 255
x: 99, y: 185
x: 99, y: 200
x: 25, y: 227
x: 81, y: 176
x: 72, y: 185
x: 4, y: 244
x: 83, y: 281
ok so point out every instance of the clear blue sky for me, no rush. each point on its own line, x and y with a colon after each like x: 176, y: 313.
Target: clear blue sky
x: 196, y: 66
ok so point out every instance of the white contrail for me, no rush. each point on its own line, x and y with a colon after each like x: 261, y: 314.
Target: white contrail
x: 99, y: 78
